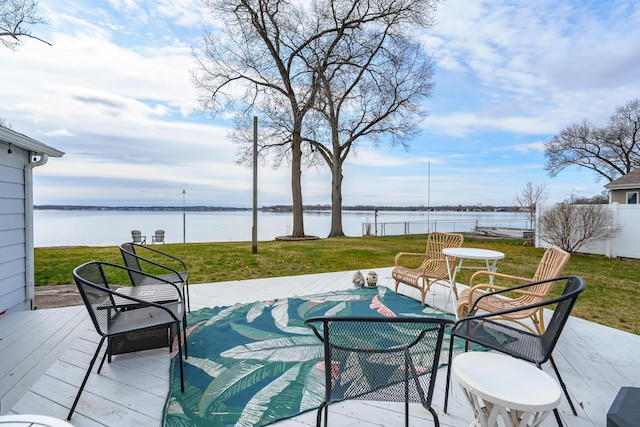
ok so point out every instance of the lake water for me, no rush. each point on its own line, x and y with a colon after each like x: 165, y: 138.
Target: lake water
x: 108, y: 228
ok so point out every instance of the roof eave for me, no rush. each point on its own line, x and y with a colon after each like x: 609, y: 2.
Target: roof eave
x: 622, y: 187
x: 26, y: 143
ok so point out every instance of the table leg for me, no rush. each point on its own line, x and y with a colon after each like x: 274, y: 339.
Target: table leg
x: 452, y: 279
x: 487, y: 414
x: 492, y: 268
x: 452, y: 282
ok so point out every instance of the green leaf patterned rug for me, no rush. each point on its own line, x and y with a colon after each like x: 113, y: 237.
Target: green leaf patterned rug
x: 254, y: 364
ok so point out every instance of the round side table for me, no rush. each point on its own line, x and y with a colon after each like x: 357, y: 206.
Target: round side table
x: 31, y: 421
x: 503, y: 387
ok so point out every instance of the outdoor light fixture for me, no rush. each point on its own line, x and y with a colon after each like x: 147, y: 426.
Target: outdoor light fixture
x: 10, y: 152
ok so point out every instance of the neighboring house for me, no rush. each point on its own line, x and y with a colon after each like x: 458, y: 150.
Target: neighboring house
x: 626, y: 189
x: 19, y: 154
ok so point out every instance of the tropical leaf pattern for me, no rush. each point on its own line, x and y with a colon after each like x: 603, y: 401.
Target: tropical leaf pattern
x: 254, y: 364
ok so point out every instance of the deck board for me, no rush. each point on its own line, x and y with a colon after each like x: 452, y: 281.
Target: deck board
x: 50, y: 349
x: 32, y: 343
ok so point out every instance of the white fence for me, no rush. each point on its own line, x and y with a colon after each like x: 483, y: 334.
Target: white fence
x: 403, y: 228
x: 625, y: 244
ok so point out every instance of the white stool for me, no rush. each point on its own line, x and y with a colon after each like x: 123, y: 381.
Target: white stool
x: 503, y: 387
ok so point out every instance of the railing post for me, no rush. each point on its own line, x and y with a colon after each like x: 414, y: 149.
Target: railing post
x: 375, y: 218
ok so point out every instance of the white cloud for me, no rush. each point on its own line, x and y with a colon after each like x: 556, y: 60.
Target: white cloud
x: 559, y: 61
x: 115, y: 93
x: 532, y: 147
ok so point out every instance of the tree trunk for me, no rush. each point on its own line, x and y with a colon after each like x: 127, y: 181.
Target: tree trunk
x: 296, y: 184
x: 336, y: 196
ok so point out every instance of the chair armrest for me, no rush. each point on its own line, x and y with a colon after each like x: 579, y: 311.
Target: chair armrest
x: 165, y: 267
x: 312, y: 321
x: 137, y: 301
x: 496, y: 274
x: 518, y: 288
x: 147, y: 248
x: 154, y: 263
x: 486, y: 286
x: 408, y: 254
x: 142, y: 273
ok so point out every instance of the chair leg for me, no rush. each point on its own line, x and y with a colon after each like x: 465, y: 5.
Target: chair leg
x: 180, y: 357
x: 186, y: 287
x: 107, y: 351
x: 558, y: 419
x: 563, y: 385
x: 86, y: 377
x: 184, y: 330
x: 436, y: 421
x: 406, y: 398
x: 323, y: 407
x: 448, y: 381
x: 186, y: 350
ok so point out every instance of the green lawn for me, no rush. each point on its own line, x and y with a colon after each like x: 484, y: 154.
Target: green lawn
x: 609, y: 299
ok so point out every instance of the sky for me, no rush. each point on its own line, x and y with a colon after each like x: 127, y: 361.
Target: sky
x: 114, y: 93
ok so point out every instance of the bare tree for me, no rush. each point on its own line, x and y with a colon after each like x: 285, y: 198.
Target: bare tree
x: 254, y: 65
x: 571, y: 226
x: 610, y: 151
x: 598, y: 199
x: 303, y: 67
x: 370, y: 88
x: 529, y: 197
x: 16, y: 18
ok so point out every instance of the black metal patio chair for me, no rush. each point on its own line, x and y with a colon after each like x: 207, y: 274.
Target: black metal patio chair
x: 377, y: 358
x: 115, y: 314
x: 499, y: 335
x: 156, y: 264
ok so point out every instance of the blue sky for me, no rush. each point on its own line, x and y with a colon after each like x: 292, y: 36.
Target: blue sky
x: 114, y: 93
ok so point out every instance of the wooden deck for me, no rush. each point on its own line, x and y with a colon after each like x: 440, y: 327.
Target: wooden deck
x: 44, y: 355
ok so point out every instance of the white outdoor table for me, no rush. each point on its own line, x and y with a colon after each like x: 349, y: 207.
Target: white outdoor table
x: 31, y: 421
x: 490, y: 258
x: 501, y: 386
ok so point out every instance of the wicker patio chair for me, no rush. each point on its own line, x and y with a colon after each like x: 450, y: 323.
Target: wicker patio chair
x: 378, y: 358
x: 156, y: 264
x: 523, y: 344
x: 137, y: 237
x: 434, y: 265
x: 115, y: 314
x: 551, y: 265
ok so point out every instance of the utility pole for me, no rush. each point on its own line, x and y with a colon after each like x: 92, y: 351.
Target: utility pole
x: 428, y: 195
x: 184, y: 216
x: 254, y: 228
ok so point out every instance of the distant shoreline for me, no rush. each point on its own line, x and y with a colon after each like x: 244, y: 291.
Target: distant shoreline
x: 278, y: 208
x: 111, y: 227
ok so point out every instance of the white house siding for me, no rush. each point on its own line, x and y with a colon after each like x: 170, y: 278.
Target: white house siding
x: 626, y: 244
x: 619, y: 196
x: 12, y: 230
x: 16, y: 216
